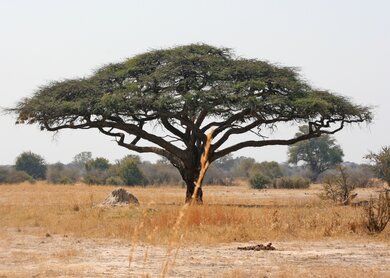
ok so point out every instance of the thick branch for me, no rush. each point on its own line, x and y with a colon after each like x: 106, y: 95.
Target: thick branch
x: 146, y: 149
x: 253, y: 143
x: 129, y: 128
x: 173, y: 130
x: 225, y: 124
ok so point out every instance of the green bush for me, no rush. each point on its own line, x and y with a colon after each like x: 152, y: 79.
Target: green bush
x: 129, y: 172
x: 259, y: 181
x: 32, y: 164
x: 270, y: 169
x: 99, y: 164
x: 291, y: 182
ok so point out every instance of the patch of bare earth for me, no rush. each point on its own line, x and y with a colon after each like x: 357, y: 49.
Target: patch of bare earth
x: 33, y: 253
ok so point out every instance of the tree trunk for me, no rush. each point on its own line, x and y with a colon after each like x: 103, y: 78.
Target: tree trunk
x: 190, y: 192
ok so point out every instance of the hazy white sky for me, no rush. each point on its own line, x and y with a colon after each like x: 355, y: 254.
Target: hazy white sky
x: 343, y: 46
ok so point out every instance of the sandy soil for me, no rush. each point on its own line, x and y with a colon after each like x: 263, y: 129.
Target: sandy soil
x: 32, y: 253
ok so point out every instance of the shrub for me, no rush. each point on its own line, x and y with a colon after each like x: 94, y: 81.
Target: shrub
x: 115, y: 180
x: 291, y: 182
x: 61, y: 174
x: 99, y: 164
x: 95, y: 177
x: 338, y: 187
x: 32, y: 164
x: 129, y: 172
x: 381, y: 163
x: 97, y: 171
x: 259, y: 181
x: 377, y: 213
x: 14, y: 176
x: 270, y: 169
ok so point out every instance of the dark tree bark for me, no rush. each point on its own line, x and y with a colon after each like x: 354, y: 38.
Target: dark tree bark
x: 198, y: 199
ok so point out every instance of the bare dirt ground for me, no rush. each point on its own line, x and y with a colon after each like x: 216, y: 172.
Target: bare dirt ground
x: 32, y: 253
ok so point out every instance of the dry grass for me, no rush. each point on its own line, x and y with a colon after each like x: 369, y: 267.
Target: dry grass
x: 270, y: 215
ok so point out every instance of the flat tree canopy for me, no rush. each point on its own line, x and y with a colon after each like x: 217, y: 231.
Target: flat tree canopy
x: 189, y: 91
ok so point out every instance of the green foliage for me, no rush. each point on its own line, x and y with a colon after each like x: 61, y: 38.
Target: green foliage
x: 97, y: 164
x: 319, y: 154
x: 33, y: 164
x: 129, y: 172
x: 381, y: 163
x: 291, y: 182
x: 97, y: 171
x: 271, y: 169
x: 214, y: 81
x: 259, y: 181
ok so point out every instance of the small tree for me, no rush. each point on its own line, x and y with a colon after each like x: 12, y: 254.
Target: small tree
x: 129, y: 172
x: 33, y: 164
x: 190, y: 92
x: 338, y: 187
x: 270, y: 169
x: 259, y: 181
x: 97, y: 171
x: 319, y: 154
x: 81, y: 159
x: 381, y: 163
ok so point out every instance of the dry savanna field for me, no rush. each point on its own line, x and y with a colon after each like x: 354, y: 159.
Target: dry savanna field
x: 60, y: 231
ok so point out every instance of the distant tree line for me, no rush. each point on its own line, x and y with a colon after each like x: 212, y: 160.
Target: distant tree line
x: 131, y: 170
x: 314, y: 160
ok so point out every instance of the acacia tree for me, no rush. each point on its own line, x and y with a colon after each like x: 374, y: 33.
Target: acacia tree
x: 189, y: 91
x: 318, y: 154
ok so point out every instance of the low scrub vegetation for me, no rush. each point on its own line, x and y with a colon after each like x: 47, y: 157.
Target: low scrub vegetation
x: 338, y: 186
x: 291, y: 182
